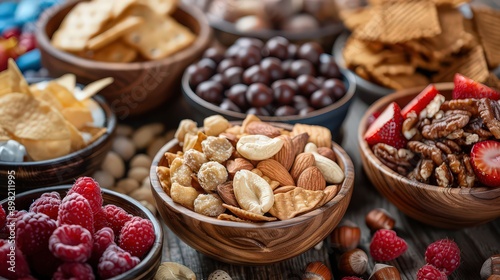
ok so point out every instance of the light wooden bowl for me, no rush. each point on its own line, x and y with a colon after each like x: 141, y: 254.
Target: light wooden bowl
x: 138, y: 86
x: 148, y: 266
x: 451, y: 208
x: 252, y: 243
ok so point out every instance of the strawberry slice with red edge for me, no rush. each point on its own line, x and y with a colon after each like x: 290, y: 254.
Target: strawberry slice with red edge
x: 420, y: 101
x: 485, y: 159
x: 387, y: 128
x: 468, y: 88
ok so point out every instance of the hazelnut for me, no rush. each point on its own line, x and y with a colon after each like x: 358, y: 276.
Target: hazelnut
x: 379, y: 219
x: 317, y: 271
x: 491, y: 267
x: 385, y: 272
x: 494, y: 277
x: 346, y: 236
x: 353, y: 262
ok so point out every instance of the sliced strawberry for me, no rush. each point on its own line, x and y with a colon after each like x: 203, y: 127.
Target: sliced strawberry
x: 420, y: 101
x: 485, y: 159
x: 468, y: 88
x: 387, y: 128
x: 371, y: 119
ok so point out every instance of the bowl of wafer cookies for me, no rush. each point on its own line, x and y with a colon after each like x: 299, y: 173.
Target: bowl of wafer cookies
x: 143, y: 45
x: 52, y: 131
x: 396, y: 45
x: 256, y: 192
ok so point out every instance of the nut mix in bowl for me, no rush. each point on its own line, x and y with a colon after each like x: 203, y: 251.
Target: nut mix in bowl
x: 405, y: 44
x: 239, y: 183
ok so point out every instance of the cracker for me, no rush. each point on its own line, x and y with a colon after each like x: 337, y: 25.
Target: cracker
x: 357, y: 52
x: 319, y: 135
x: 232, y: 218
x: 395, y: 69
x: 247, y: 215
x: 400, y: 81
x: 488, y: 27
x: 472, y: 64
x: 295, y: 202
x: 400, y: 21
x: 114, y: 32
x: 283, y: 189
x: 356, y: 18
x: 162, y: 7
x: 330, y: 192
x: 117, y: 52
x: 159, y: 36
x: 81, y: 23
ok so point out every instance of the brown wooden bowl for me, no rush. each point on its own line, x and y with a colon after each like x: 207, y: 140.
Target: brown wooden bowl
x: 252, y: 243
x: 451, y: 208
x: 148, y: 266
x: 138, y: 86
x: 37, y: 174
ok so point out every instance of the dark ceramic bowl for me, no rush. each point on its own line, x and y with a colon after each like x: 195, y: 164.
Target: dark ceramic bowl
x: 37, y: 174
x: 146, y: 269
x: 331, y: 116
x: 366, y: 90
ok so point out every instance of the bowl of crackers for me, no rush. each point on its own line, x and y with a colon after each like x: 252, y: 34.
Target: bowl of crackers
x: 51, y: 132
x: 143, y: 45
x: 399, y: 45
x: 434, y: 152
x: 257, y: 192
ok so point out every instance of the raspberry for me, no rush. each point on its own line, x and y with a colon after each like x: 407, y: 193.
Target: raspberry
x: 71, y: 243
x: 100, y: 220
x: 33, y: 231
x: 75, y: 271
x: 386, y: 245
x: 21, y: 266
x: 91, y: 190
x: 137, y: 236
x: 116, y: 217
x: 43, y: 264
x: 444, y: 254
x: 429, y: 272
x: 75, y: 210
x: 102, y: 239
x: 3, y: 217
x: 47, y: 204
x: 115, y: 261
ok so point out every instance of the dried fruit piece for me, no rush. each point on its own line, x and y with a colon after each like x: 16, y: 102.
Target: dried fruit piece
x: 212, y: 174
x: 258, y: 147
x: 252, y: 192
x: 208, y: 205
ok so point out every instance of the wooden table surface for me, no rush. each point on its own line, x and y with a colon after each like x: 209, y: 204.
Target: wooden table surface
x: 477, y: 243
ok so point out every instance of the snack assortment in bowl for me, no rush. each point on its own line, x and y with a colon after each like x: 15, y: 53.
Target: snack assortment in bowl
x: 48, y: 119
x: 251, y: 188
x: 446, y: 143
x: 79, y: 231
x: 404, y: 44
x: 116, y: 31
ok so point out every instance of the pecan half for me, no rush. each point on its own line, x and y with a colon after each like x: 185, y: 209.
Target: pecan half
x: 427, y: 151
x: 467, y: 104
x: 397, y: 160
x: 449, y: 123
x: 410, y: 126
x: 489, y: 110
x: 444, y: 177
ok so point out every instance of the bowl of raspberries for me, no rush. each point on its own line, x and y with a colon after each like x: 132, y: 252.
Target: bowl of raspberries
x: 79, y: 231
x: 435, y: 153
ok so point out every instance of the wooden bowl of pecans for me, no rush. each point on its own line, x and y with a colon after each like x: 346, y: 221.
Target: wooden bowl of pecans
x: 463, y: 202
x: 146, y: 67
x: 256, y: 197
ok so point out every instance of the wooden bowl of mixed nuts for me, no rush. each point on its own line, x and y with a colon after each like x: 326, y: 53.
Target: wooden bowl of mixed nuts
x: 434, y: 174
x: 251, y: 192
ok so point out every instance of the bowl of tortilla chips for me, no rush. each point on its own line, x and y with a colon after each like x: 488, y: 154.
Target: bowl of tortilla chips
x: 51, y: 132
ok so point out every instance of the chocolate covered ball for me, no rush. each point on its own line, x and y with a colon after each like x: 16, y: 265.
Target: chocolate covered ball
x: 321, y: 98
x: 310, y: 51
x: 335, y: 88
x: 255, y: 74
x: 276, y: 47
x: 285, y: 110
x: 237, y: 95
x: 328, y: 68
x: 210, y: 91
x: 215, y: 54
x: 259, y: 95
x: 300, y: 102
x: 258, y: 111
x: 217, y: 78
x: 273, y: 68
x: 248, y: 56
x: 307, y: 84
x: 201, y: 71
x: 284, y: 91
x: 232, y: 76
x: 247, y: 42
x: 301, y: 67
x: 226, y: 64
x: 227, y: 104
x: 306, y: 110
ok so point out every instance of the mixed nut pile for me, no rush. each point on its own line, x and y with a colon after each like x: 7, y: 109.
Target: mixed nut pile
x: 257, y: 171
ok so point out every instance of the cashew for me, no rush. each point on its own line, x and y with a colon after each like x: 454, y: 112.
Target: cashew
x: 252, y: 192
x: 258, y: 147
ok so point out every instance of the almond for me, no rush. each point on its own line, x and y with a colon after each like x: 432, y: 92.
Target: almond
x: 226, y: 193
x: 287, y: 153
x: 274, y: 170
x: 327, y: 152
x: 299, y: 142
x: 236, y: 165
x: 302, y: 161
x: 311, y: 179
x: 262, y: 128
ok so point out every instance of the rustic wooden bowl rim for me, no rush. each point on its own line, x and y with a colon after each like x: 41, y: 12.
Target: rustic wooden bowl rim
x: 110, y: 120
x: 156, y: 248
x: 201, y: 39
x: 365, y: 148
x: 347, y: 77
x: 347, y: 186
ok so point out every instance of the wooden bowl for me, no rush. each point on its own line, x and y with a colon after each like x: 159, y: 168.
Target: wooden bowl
x: 252, y: 243
x: 451, y: 208
x: 37, y: 174
x: 146, y: 269
x: 331, y: 117
x: 138, y: 86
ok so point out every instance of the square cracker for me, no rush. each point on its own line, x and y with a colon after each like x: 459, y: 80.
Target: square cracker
x: 487, y: 23
x: 117, y: 51
x: 295, y: 202
x: 472, y: 64
x: 117, y: 30
x: 396, y: 21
